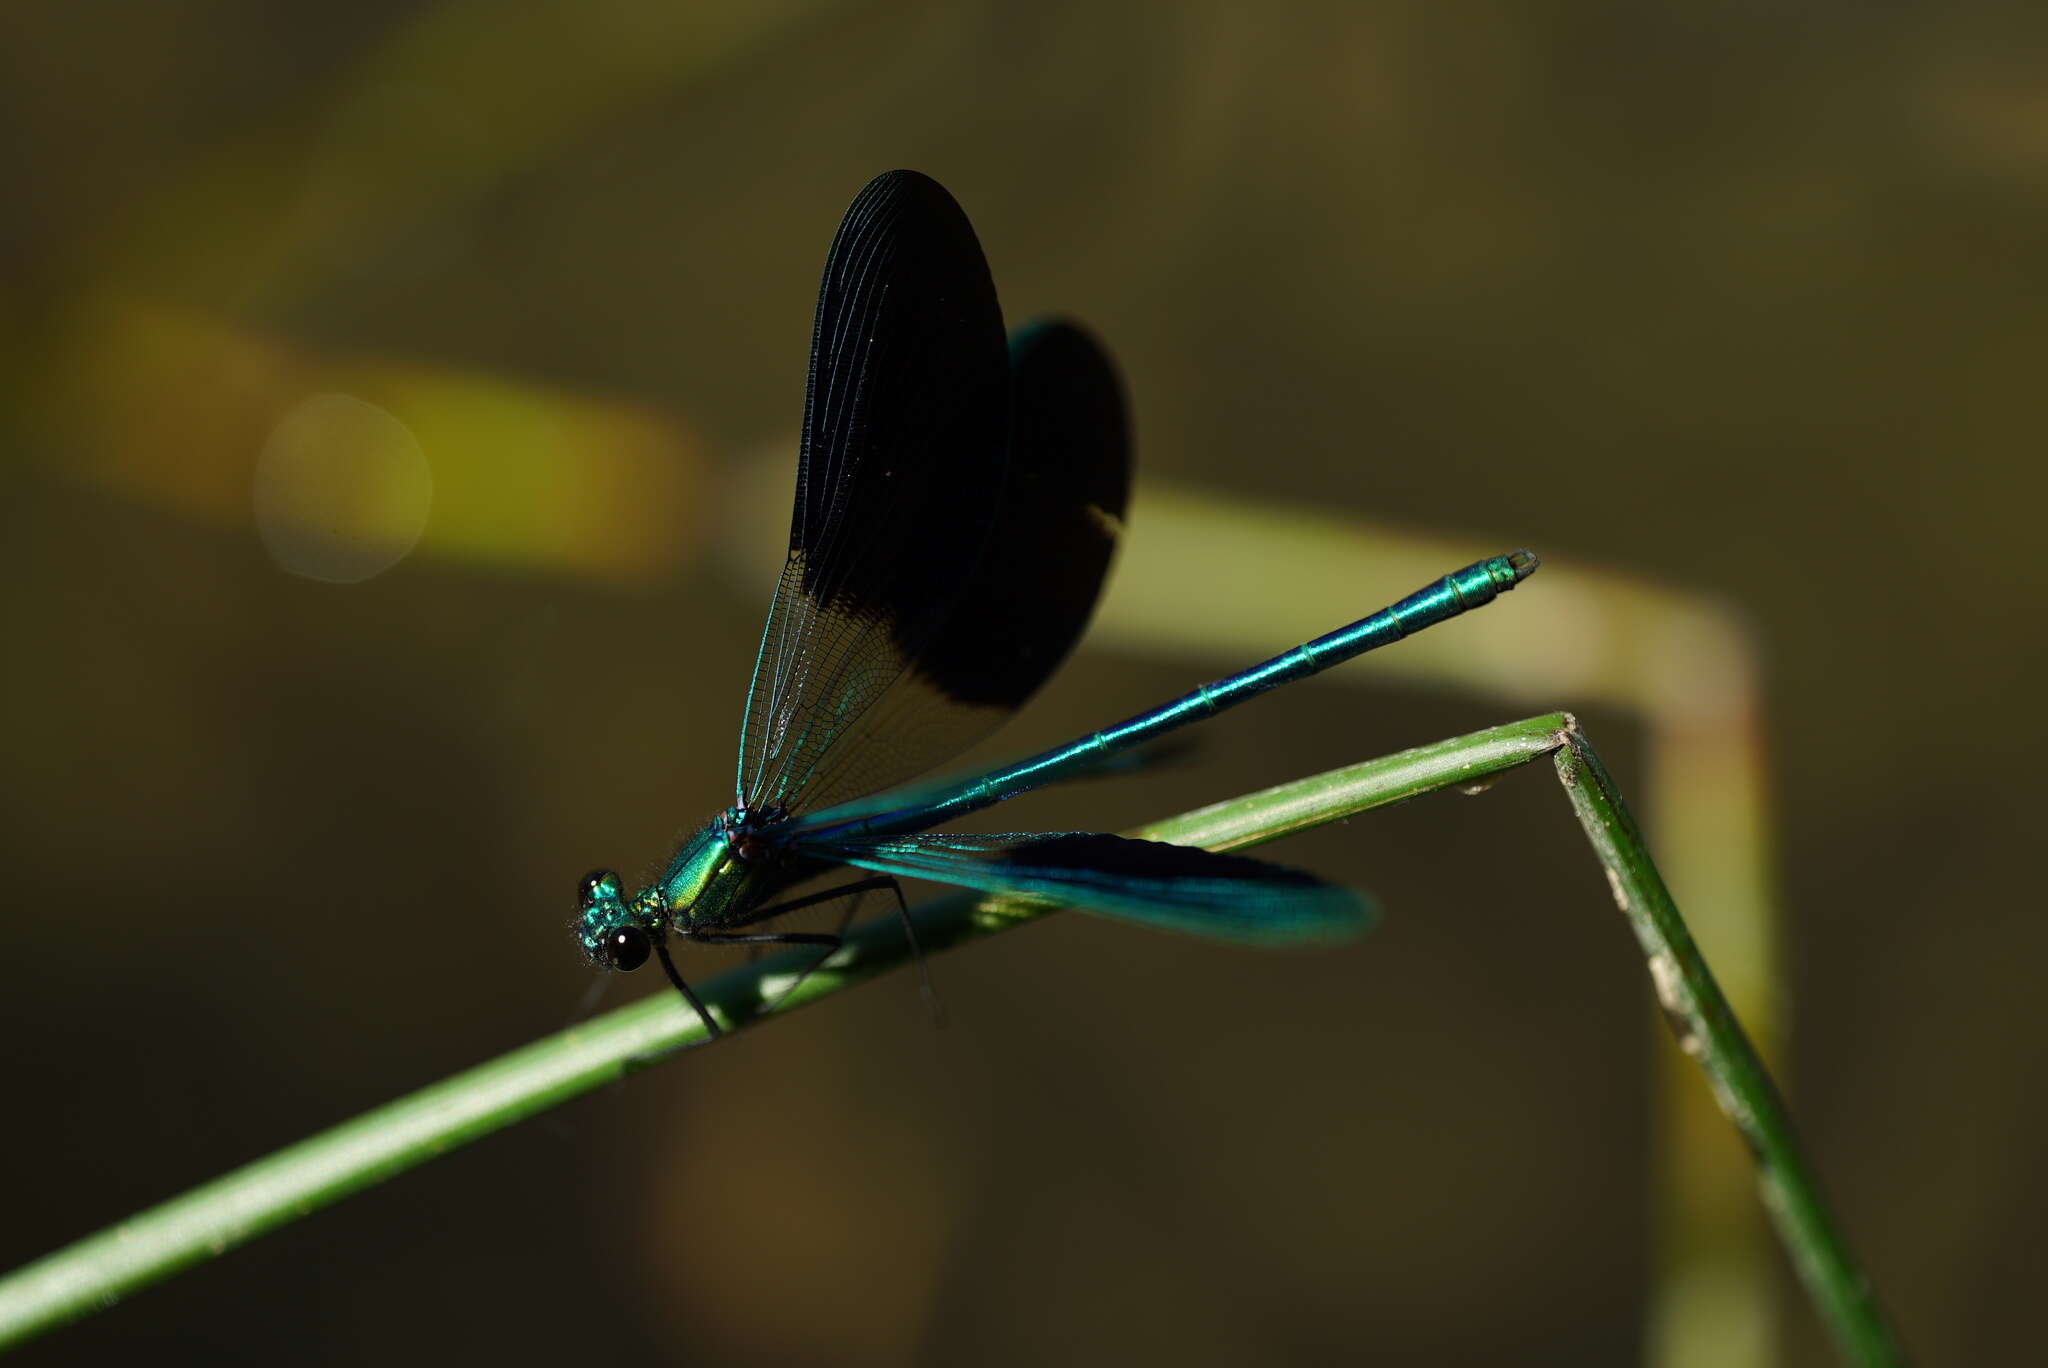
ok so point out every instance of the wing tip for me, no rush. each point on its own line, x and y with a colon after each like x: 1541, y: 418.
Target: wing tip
x: 906, y: 184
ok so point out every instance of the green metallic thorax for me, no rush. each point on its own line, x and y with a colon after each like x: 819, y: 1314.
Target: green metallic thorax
x: 706, y: 887
x: 705, y: 883
x: 712, y: 883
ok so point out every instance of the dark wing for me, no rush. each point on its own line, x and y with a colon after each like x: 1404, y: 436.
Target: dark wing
x: 941, y: 561
x: 1200, y: 891
x: 1063, y: 510
x: 906, y: 425
x: 1033, y: 590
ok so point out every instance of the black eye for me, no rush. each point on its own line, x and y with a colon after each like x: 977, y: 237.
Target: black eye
x: 596, y: 884
x: 626, y: 949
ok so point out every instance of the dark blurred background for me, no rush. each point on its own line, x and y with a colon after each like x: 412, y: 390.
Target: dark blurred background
x: 1738, y: 300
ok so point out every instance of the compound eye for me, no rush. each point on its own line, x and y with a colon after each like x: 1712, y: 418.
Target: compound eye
x: 598, y: 883
x: 626, y: 949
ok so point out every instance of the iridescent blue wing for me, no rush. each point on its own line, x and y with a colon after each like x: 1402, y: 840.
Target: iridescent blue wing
x: 1200, y: 891
x: 949, y: 536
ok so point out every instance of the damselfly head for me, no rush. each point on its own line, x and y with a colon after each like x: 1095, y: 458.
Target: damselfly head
x: 607, y: 929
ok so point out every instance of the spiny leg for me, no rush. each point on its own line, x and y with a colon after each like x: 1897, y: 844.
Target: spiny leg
x: 668, y: 964
x: 797, y: 904
x: 888, y: 881
x: 924, y: 969
x: 830, y: 943
x: 711, y: 1031
x: 828, y: 946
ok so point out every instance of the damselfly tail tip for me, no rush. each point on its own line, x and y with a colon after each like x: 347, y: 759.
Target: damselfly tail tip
x: 1523, y: 563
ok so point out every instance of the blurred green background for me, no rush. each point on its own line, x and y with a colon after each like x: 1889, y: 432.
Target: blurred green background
x: 1741, y: 301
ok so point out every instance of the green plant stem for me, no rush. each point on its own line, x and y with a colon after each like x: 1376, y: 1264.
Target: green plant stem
x: 1708, y: 1032
x: 294, y: 1182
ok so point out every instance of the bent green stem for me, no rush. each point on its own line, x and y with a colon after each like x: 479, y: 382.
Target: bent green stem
x: 298, y: 1180
x: 1706, y: 1028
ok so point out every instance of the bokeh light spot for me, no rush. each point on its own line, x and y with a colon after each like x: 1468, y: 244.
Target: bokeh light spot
x: 342, y: 490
